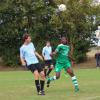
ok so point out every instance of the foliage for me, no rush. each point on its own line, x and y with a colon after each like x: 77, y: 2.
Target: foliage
x: 41, y: 19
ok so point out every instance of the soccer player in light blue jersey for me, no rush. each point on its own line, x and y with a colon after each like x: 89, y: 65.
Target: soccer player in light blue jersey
x: 46, y: 53
x: 28, y: 57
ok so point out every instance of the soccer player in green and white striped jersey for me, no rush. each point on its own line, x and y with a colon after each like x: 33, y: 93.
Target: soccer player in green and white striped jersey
x: 63, y: 61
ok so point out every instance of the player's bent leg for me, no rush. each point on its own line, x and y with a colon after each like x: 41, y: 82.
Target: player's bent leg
x: 42, y: 75
x: 74, y: 79
x: 70, y: 72
x: 36, y: 75
x: 57, y: 75
x: 42, y: 82
x: 37, y: 83
x: 45, y: 70
x: 58, y: 69
x: 53, y: 78
x: 50, y: 69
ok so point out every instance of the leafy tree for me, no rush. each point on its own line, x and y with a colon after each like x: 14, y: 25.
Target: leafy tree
x: 43, y: 21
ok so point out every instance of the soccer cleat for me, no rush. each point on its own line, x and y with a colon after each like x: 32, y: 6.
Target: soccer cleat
x: 41, y: 93
x: 48, y: 83
x: 76, y: 88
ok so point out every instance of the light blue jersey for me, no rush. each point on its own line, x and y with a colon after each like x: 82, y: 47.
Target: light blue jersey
x: 27, y: 52
x: 46, y: 52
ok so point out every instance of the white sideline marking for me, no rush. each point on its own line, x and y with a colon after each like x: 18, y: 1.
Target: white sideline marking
x: 91, y: 98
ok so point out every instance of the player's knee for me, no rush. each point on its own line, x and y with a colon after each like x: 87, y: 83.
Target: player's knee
x: 42, y: 75
x: 36, y: 76
x: 36, y: 73
x: 69, y: 71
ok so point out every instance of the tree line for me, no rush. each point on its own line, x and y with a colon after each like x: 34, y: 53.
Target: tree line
x: 42, y: 20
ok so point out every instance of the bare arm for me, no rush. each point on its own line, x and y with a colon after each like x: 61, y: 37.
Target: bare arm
x: 39, y: 56
x: 22, y: 61
x: 43, y: 57
x: 70, y: 56
x: 53, y: 53
x: 71, y: 52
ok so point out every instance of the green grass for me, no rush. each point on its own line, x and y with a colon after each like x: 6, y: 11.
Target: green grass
x: 19, y: 85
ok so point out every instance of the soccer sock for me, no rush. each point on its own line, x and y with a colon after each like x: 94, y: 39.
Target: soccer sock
x: 52, y: 78
x: 74, y: 80
x: 49, y: 71
x: 42, y: 82
x: 37, y: 85
x: 45, y: 71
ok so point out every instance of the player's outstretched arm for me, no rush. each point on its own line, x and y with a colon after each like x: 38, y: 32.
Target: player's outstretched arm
x: 70, y: 56
x: 53, y: 53
x: 72, y: 59
x: 39, y: 56
x: 22, y: 61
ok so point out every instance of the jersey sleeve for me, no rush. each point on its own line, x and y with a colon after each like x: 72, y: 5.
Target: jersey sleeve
x: 58, y: 48
x: 22, y: 54
x: 51, y: 49
x: 33, y: 47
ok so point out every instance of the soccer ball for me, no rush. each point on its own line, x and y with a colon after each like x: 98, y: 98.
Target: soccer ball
x: 62, y: 7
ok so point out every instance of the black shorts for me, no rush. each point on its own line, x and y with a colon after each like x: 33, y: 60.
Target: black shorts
x: 48, y: 63
x: 34, y: 67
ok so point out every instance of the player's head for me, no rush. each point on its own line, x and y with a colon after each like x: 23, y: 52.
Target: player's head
x: 27, y: 38
x: 48, y: 43
x: 63, y: 40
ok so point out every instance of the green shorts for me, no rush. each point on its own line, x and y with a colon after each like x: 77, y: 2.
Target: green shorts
x: 60, y: 66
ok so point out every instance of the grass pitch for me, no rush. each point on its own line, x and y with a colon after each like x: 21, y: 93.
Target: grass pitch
x: 19, y: 85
